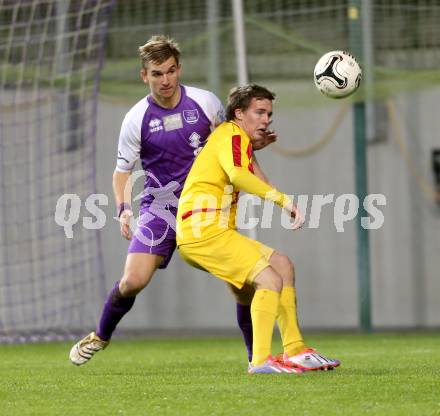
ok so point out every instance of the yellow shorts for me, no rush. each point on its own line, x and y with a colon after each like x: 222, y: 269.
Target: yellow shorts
x: 230, y: 256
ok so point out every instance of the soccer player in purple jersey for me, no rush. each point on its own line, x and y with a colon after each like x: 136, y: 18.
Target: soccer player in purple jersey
x: 165, y: 130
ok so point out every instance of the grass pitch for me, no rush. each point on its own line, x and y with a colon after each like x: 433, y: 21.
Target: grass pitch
x: 381, y: 374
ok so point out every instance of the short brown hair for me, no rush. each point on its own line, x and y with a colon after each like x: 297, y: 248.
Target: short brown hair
x: 158, y: 49
x: 240, y: 98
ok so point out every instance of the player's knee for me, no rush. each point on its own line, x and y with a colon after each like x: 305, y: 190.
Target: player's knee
x: 269, y: 279
x: 289, y: 268
x: 277, y: 283
x: 132, y: 283
x: 285, y: 268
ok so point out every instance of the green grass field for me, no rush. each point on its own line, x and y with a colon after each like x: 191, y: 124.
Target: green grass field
x: 381, y: 374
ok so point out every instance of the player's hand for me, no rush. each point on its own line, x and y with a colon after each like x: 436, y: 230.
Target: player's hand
x: 269, y: 137
x: 296, y: 214
x: 124, y: 223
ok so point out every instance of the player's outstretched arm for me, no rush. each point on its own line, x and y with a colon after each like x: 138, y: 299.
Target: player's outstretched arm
x: 291, y: 207
x: 236, y: 163
x: 246, y: 181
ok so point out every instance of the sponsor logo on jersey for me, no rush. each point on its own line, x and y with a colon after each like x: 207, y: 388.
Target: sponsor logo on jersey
x: 172, y: 122
x: 191, y: 116
x: 194, y: 139
x: 155, y: 124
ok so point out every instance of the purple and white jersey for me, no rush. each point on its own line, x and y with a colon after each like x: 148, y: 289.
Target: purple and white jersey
x: 167, y: 140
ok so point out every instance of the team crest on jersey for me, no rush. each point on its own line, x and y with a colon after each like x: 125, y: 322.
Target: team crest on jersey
x: 155, y: 124
x: 173, y: 122
x: 191, y: 116
x: 194, y: 140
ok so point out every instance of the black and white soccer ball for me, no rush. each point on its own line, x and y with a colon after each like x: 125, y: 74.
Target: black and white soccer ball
x: 337, y: 74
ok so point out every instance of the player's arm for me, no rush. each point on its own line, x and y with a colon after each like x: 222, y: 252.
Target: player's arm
x: 128, y: 153
x: 122, y: 192
x: 292, y: 208
x: 235, y: 160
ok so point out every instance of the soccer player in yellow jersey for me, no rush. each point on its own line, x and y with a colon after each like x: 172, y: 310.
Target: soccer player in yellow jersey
x: 207, y: 238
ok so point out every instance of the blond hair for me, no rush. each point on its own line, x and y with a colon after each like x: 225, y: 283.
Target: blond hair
x: 158, y: 49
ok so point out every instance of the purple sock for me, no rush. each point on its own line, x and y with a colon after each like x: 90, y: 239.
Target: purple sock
x: 115, y: 307
x: 245, y: 323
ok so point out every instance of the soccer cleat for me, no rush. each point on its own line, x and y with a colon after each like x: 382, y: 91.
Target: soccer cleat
x: 272, y: 366
x: 85, y: 349
x: 309, y: 360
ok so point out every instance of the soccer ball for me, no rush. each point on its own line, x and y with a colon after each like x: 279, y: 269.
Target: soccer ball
x: 337, y: 74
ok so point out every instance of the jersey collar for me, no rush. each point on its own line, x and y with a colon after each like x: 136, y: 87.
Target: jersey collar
x: 153, y: 103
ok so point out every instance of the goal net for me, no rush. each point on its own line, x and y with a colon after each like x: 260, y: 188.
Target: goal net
x: 50, y: 56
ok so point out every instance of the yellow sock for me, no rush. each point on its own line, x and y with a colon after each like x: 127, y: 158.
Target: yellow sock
x: 264, y: 309
x: 293, y: 342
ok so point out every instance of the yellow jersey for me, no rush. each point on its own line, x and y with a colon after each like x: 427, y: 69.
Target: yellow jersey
x: 208, y: 203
